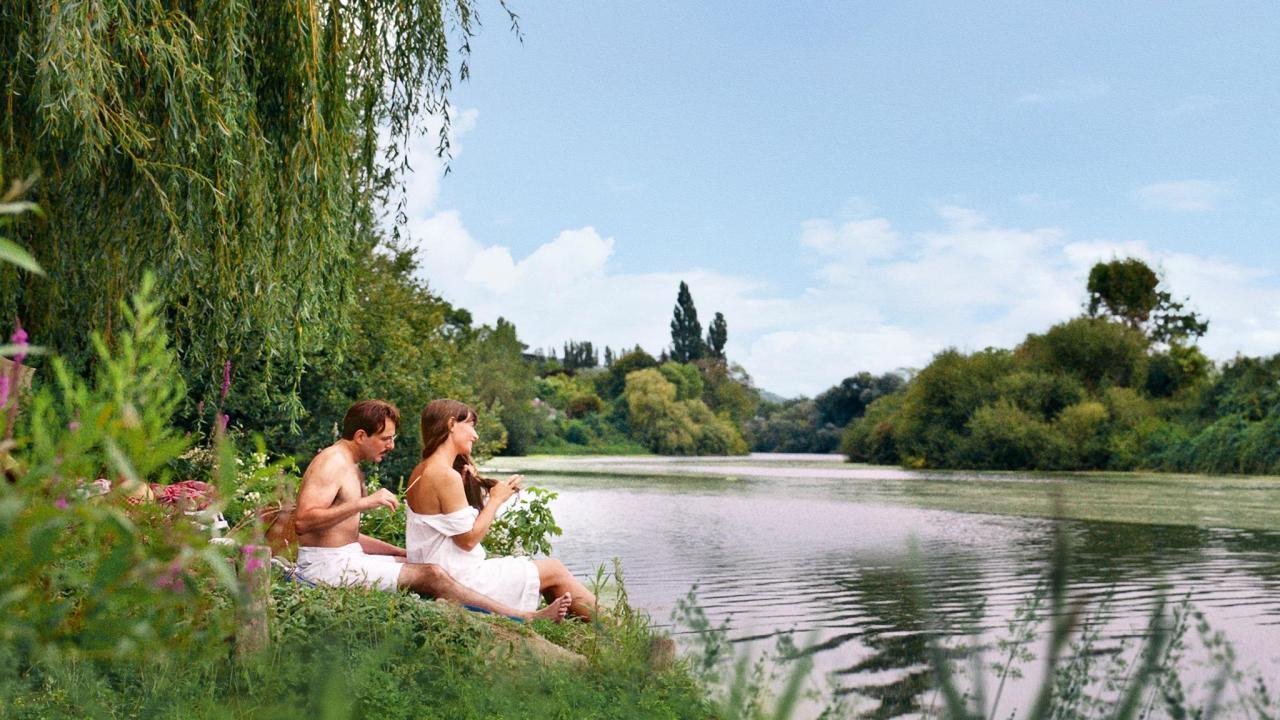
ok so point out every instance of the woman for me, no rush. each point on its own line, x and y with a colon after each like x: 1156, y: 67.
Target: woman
x: 450, y: 510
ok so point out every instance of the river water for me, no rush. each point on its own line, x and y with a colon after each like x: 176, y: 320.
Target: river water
x: 780, y: 544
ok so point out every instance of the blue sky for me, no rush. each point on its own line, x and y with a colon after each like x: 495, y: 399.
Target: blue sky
x: 856, y: 185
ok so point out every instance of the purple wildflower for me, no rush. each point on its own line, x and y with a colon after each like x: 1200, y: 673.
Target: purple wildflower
x: 226, y: 379
x: 222, y: 422
x: 60, y: 503
x: 171, y: 579
x: 19, y: 338
x: 253, y: 560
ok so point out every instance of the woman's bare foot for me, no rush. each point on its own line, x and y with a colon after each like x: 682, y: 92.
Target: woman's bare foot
x: 555, y: 610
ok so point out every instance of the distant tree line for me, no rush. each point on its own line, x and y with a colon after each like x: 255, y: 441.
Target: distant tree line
x: 1121, y: 387
x: 689, y: 400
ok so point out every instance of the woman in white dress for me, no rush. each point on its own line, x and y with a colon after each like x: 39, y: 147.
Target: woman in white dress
x: 450, y: 509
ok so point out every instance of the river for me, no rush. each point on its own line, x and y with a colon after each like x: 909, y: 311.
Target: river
x: 834, y: 554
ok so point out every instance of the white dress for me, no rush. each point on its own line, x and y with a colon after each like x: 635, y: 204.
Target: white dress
x: 509, y: 580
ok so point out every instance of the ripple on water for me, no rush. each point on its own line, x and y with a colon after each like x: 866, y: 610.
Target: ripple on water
x: 774, y: 558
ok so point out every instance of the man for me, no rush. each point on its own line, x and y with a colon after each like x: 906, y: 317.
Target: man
x: 331, y: 549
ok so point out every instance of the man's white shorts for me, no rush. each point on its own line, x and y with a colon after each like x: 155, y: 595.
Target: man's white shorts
x: 348, y: 565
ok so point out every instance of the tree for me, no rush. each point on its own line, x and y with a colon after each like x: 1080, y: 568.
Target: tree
x: 848, y: 400
x: 501, y: 379
x: 686, y: 331
x: 241, y: 149
x: 579, y: 355
x: 1128, y: 290
x: 717, y: 335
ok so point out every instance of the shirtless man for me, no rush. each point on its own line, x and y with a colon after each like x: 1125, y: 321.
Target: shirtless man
x: 331, y: 549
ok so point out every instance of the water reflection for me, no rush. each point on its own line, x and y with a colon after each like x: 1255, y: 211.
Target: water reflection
x: 801, y: 554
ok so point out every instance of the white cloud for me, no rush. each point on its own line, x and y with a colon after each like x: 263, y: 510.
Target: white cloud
x: 1181, y: 195
x: 879, y: 298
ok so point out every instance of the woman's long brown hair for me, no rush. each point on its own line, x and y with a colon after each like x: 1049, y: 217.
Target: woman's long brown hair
x: 434, y: 427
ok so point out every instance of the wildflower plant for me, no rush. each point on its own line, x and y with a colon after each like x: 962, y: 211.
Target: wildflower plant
x: 88, y: 574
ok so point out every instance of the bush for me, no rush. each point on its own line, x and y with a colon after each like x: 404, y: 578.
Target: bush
x: 933, y: 424
x: 1005, y: 437
x: 1083, y: 429
x: 583, y: 405
x: 88, y: 577
x: 871, y: 438
x: 1098, y: 352
x: 675, y: 427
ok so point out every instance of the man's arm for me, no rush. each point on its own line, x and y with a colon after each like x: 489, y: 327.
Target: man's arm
x: 374, y: 546
x: 316, y: 511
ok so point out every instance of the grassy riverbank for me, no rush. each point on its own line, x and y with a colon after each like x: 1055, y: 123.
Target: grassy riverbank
x: 1146, y: 498
x: 353, y: 653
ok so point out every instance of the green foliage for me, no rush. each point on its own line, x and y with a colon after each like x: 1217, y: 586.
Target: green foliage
x: 502, y: 382
x: 611, y: 385
x: 407, y: 347
x: 872, y: 437
x: 584, y: 405
x: 347, y: 653
x: 671, y: 426
x: 10, y: 207
x: 717, y: 336
x: 727, y: 389
x: 525, y: 526
x: 87, y: 577
x: 842, y: 403
x: 1127, y: 291
x: 940, y: 401
x: 686, y: 331
x: 1098, y: 352
x: 233, y: 147
x: 685, y: 377
x: 1176, y: 370
x: 579, y: 355
x: 791, y: 427
x: 1001, y: 435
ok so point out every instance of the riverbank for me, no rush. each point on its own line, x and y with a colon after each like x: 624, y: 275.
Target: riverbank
x: 1238, y: 502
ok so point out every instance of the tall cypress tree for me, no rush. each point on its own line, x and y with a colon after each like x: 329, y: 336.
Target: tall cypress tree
x: 717, y: 336
x: 686, y: 331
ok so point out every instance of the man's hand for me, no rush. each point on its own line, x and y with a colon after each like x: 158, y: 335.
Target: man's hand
x: 382, y: 498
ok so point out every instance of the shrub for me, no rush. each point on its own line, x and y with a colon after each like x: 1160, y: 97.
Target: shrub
x: 1002, y: 436
x: 1083, y: 429
x: 584, y: 405
x: 1098, y: 352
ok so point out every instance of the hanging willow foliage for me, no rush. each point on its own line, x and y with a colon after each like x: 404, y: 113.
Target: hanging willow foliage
x: 231, y: 146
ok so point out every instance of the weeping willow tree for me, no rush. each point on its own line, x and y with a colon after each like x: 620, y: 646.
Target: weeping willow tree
x: 243, y: 150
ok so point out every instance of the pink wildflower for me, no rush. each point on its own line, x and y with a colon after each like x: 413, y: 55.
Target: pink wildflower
x: 253, y: 558
x: 222, y: 422
x: 171, y: 579
x: 19, y: 338
x: 74, y: 425
x: 60, y: 503
x: 226, y: 379
x: 4, y: 390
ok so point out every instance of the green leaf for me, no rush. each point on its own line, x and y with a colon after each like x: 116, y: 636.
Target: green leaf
x: 13, y: 254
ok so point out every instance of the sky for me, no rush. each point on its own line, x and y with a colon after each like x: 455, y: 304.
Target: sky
x: 855, y: 185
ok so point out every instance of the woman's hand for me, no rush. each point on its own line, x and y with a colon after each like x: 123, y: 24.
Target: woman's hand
x: 504, y: 489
